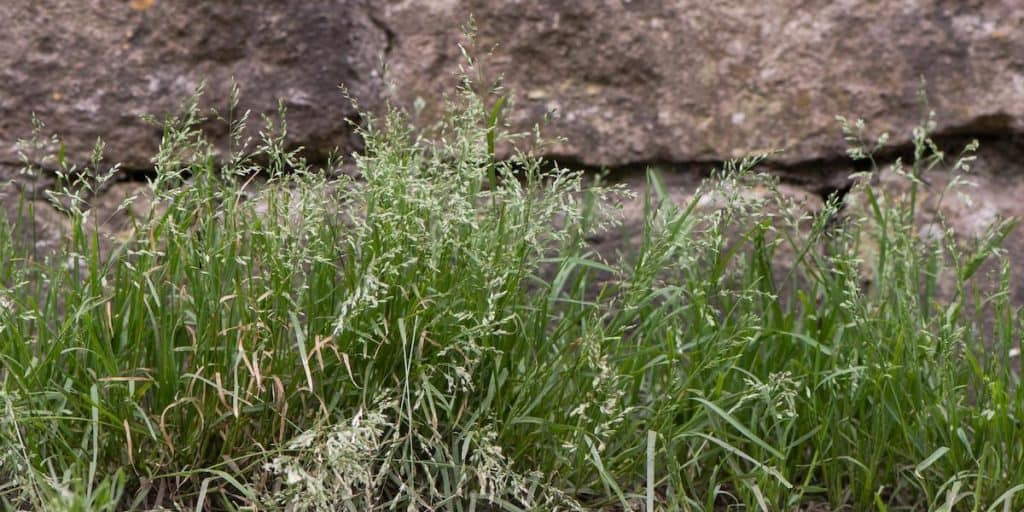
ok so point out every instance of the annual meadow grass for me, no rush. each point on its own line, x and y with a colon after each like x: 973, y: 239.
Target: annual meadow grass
x: 438, y: 335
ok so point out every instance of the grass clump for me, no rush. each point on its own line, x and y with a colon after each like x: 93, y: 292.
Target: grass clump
x: 438, y: 335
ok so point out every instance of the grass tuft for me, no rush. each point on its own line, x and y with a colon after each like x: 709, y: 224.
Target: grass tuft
x: 438, y: 335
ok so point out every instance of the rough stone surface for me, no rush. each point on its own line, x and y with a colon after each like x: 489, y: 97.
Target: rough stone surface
x: 629, y: 81
x: 652, y: 81
x: 89, y: 69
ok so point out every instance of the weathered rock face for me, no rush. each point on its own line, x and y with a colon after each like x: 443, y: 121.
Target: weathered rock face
x: 629, y: 81
x: 649, y: 81
x: 90, y: 69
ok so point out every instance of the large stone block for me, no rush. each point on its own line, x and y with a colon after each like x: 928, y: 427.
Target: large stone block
x: 90, y: 69
x: 629, y: 81
x: 684, y: 81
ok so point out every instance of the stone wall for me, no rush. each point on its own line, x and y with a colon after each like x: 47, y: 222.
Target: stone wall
x: 627, y: 83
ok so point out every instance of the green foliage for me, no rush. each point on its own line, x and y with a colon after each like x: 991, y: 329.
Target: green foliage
x: 439, y: 335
